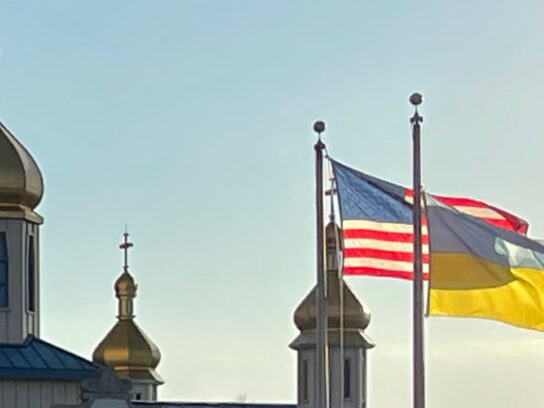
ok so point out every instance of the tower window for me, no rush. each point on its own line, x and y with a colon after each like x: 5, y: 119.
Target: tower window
x: 347, y: 379
x: 3, y: 271
x: 304, y: 380
x: 31, y: 275
x: 363, y: 371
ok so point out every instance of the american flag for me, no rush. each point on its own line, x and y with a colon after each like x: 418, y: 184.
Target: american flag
x: 377, y: 224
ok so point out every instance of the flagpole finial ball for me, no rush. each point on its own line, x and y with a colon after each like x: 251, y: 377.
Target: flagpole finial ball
x: 319, y: 126
x: 416, y: 99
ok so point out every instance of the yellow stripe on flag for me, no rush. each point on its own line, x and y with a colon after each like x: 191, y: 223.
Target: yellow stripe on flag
x: 466, y: 271
x: 519, y: 302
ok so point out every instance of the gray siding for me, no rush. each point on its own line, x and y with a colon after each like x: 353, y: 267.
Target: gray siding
x: 38, y: 394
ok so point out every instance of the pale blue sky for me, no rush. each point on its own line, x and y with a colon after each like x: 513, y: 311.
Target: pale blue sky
x: 191, y: 122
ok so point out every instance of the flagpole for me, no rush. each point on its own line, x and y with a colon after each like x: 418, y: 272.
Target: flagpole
x: 337, y: 262
x: 321, y: 367
x: 418, y: 363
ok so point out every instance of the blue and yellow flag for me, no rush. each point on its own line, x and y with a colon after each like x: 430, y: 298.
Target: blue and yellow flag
x: 480, y: 270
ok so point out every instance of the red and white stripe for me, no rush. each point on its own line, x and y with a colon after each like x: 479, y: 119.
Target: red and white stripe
x: 382, y: 249
x: 386, y: 249
x: 486, y: 212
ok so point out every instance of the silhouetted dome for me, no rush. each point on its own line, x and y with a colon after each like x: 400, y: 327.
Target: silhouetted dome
x: 125, y: 286
x: 356, y: 316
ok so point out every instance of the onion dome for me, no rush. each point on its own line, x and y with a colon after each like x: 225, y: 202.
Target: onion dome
x: 21, y: 184
x: 126, y: 348
x: 125, y: 286
x: 356, y: 315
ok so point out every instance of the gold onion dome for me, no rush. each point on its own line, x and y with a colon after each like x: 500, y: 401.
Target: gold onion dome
x: 21, y: 184
x: 125, y: 286
x: 356, y: 316
x: 126, y: 348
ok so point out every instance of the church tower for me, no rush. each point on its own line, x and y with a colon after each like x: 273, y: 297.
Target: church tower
x: 126, y: 348
x: 21, y: 190
x: 353, y: 392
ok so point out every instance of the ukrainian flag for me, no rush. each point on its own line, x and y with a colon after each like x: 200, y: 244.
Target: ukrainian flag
x: 479, y: 270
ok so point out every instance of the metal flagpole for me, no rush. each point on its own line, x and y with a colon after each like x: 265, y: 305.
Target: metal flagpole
x: 418, y: 367
x: 341, y: 289
x: 337, y: 262
x: 321, y: 367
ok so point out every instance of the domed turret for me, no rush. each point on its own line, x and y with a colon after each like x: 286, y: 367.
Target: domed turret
x: 356, y: 315
x: 126, y: 348
x: 129, y: 352
x: 347, y: 348
x: 21, y: 184
x: 125, y: 291
x: 21, y: 190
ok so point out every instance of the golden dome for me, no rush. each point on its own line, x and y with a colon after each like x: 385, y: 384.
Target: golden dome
x: 126, y: 348
x: 356, y: 316
x: 21, y: 184
x: 129, y: 352
x: 125, y: 286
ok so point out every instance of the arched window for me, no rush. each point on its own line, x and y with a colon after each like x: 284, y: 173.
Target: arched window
x: 31, y: 275
x: 3, y: 271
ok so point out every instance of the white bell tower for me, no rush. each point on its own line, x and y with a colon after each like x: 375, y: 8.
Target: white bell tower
x: 21, y: 190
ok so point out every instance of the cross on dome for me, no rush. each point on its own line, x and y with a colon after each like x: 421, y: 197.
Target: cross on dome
x: 331, y: 192
x: 125, y: 247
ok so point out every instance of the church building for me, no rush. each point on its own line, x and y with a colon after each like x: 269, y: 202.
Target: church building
x: 37, y: 374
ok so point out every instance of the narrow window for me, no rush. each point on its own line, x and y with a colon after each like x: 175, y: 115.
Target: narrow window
x: 363, y: 371
x: 304, y: 380
x: 31, y: 275
x: 3, y: 271
x: 347, y: 379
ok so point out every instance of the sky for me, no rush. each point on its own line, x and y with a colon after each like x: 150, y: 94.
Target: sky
x: 191, y: 122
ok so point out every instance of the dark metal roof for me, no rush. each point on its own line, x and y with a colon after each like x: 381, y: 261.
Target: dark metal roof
x: 36, y: 359
x: 211, y: 405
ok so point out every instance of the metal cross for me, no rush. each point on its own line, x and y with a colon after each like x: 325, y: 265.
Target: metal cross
x: 331, y: 192
x: 125, y: 247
